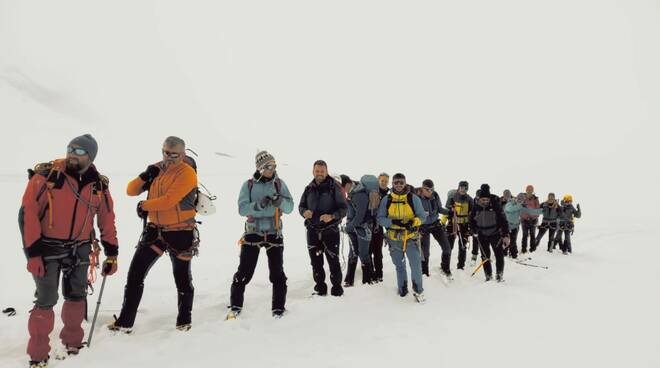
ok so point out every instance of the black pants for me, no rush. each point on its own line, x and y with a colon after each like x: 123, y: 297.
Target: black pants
x: 440, y: 236
x: 565, y: 229
x: 320, y: 243
x: 529, y: 232
x: 376, y: 251
x: 494, y: 241
x: 143, y: 259
x: 551, y: 229
x: 248, y: 262
x: 512, y: 249
x: 463, y: 243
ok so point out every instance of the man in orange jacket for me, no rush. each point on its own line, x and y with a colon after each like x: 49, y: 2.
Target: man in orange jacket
x: 56, y: 220
x: 170, y: 207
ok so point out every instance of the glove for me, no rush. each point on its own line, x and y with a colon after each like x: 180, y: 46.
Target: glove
x: 141, y: 212
x: 36, y: 267
x: 417, y: 222
x: 578, y: 207
x: 150, y: 173
x: 109, y: 266
x: 277, y: 200
x: 265, y: 202
x: 398, y: 223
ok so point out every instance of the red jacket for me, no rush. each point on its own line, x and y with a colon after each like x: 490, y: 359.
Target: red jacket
x: 532, y: 202
x: 61, y: 206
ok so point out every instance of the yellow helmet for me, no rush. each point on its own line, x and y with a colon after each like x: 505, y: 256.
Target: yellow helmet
x: 568, y: 198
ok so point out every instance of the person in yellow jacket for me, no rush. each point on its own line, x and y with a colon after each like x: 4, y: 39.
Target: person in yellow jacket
x: 401, y: 213
x: 170, y: 208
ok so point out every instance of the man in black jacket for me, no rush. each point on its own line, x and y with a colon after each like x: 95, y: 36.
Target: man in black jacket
x: 489, y: 223
x: 323, y: 206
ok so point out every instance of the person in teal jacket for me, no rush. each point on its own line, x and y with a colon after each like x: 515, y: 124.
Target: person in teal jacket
x: 263, y: 199
x: 512, y: 210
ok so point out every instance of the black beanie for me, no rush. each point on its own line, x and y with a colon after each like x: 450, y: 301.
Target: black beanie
x: 345, y: 180
x: 428, y: 183
x: 485, y: 190
x: 463, y: 184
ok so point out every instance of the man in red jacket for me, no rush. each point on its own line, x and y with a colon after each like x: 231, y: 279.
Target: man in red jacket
x: 56, y: 220
x: 529, y: 221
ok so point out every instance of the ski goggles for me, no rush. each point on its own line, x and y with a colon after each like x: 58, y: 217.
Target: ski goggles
x: 399, y: 182
x: 270, y: 167
x: 171, y: 154
x: 76, y: 151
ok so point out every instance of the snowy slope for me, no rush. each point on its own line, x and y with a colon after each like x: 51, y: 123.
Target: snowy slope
x: 563, y: 96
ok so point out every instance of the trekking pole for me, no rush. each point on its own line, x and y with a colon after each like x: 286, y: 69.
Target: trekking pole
x: 96, y: 312
x: 341, y: 250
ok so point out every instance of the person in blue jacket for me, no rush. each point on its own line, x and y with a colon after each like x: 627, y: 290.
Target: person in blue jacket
x: 512, y: 210
x: 263, y: 199
x: 401, y: 213
x: 432, y: 226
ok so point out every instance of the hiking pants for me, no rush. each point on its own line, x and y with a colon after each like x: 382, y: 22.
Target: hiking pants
x: 413, y: 253
x: 529, y: 232
x: 494, y: 241
x: 248, y: 262
x: 439, y: 234
x: 320, y: 243
x: 144, y: 258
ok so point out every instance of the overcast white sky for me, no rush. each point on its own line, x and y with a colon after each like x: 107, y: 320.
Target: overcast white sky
x: 560, y: 94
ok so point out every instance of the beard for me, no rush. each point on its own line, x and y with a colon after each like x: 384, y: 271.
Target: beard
x: 75, y: 166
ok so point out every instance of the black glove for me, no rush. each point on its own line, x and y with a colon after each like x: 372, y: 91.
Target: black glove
x: 398, y: 223
x: 150, y: 173
x: 277, y: 200
x: 140, y: 212
x: 578, y: 207
x: 265, y: 202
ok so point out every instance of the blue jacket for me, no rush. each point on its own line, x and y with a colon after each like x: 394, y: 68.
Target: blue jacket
x: 432, y: 207
x: 512, y: 210
x: 262, y: 220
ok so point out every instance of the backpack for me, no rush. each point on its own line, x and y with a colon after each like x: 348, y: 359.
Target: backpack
x: 203, y: 200
x: 371, y: 186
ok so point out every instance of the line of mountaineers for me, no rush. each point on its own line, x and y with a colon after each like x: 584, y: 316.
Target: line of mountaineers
x: 64, y: 197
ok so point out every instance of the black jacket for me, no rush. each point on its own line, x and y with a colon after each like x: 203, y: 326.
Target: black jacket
x: 490, y: 220
x: 325, y: 198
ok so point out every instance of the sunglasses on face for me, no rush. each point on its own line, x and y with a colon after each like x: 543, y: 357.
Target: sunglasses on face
x: 171, y: 154
x: 399, y: 182
x: 76, y: 151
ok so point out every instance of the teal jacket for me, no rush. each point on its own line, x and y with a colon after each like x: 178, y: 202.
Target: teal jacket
x: 512, y: 210
x: 262, y: 220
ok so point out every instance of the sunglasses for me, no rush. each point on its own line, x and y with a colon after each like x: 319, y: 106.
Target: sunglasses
x: 399, y: 182
x: 171, y: 154
x: 76, y: 151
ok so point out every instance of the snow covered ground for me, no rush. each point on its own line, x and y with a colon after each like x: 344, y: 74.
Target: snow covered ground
x: 563, y: 96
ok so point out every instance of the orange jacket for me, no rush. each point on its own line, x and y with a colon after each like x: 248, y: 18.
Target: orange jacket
x: 171, y: 198
x: 61, y: 206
